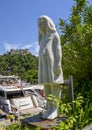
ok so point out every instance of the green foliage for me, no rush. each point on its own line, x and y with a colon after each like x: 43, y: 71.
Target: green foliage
x: 25, y: 66
x: 16, y: 127
x: 76, y: 40
x: 13, y: 127
x: 77, y: 118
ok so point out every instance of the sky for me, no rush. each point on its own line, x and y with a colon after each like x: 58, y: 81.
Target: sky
x: 18, y: 21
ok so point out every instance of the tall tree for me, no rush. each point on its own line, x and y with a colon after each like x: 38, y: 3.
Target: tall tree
x: 25, y: 66
x: 76, y: 40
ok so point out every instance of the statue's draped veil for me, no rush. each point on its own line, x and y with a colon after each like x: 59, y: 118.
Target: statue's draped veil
x: 50, y: 27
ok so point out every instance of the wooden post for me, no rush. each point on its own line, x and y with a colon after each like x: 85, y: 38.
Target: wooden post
x: 69, y: 82
x: 71, y: 90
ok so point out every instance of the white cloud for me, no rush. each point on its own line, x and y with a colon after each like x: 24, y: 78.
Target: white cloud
x: 33, y: 47
x: 9, y: 46
x: 26, y: 46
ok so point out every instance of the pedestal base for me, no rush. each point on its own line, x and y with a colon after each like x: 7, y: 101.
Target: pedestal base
x: 38, y: 121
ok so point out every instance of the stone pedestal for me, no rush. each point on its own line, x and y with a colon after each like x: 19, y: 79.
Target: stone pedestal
x: 37, y: 121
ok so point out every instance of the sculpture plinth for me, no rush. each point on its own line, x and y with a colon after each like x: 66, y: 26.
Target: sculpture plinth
x: 44, y: 124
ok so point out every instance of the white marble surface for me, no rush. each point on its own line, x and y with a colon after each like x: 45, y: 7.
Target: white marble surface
x: 50, y: 58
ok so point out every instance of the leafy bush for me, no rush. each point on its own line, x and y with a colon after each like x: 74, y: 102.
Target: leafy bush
x: 75, y: 119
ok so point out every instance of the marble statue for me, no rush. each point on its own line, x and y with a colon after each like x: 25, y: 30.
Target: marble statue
x: 50, y: 57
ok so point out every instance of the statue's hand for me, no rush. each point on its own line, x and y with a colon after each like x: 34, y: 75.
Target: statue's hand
x: 57, y: 72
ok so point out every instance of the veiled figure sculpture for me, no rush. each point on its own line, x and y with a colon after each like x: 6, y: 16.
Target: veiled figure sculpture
x: 50, y: 57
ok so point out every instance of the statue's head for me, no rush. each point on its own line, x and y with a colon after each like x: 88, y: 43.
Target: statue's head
x: 47, y: 23
x: 45, y: 26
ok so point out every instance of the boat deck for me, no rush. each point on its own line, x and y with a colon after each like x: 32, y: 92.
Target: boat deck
x: 31, y: 111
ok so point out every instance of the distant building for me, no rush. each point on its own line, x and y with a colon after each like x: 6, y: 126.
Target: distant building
x: 21, y: 51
